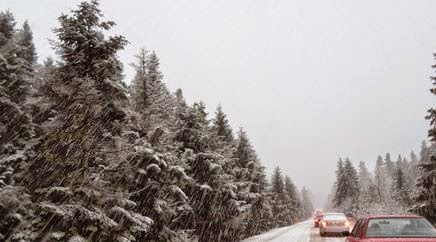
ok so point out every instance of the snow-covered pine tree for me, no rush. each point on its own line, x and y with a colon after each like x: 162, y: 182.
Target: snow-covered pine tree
x: 192, y: 127
x: 219, y: 209
x: 158, y: 184
x: 413, y: 158
x: 352, y: 183
x: 84, y: 50
x: 306, y: 202
x: 247, y: 167
x: 16, y: 68
x: 160, y: 111
x: 217, y: 213
x: 293, y: 199
x: 407, y: 177
x: 140, y: 88
x: 380, y: 179
x: 71, y: 179
x: 249, y: 174
x: 222, y: 135
x: 280, y: 215
x: 412, y: 168
x: 180, y: 99
x: 25, y: 39
x: 426, y: 197
x: 261, y: 216
x: 244, y: 152
x: 180, y: 110
x: 277, y: 185
x: 221, y: 126
x: 151, y: 98
x: 424, y: 153
x: 401, y: 190
x: 367, y: 189
x: 364, y: 177
x: 390, y: 176
x: 89, y: 89
x: 390, y: 165
x: 16, y: 126
x: 7, y: 27
x: 340, y: 185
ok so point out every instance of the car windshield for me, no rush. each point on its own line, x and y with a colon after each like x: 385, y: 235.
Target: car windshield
x: 400, y: 228
x: 334, y: 216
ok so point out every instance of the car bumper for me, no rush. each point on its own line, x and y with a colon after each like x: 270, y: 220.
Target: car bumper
x: 333, y: 230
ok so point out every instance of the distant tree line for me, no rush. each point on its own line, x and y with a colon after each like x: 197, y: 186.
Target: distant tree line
x: 401, y: 186
x: 85, y: 157
x: 390, y: 188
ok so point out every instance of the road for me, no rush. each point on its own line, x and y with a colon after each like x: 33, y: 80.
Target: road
x: 301, y: 232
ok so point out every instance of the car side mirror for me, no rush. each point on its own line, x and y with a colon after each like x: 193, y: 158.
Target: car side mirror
x: 346, y: 233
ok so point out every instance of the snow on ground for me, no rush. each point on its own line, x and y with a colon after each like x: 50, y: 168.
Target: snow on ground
x: 301, y: 232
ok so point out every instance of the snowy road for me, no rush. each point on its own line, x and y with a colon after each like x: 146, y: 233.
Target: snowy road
x: 301, y: 232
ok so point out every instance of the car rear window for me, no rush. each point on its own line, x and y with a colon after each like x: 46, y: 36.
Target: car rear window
x: 400, y: 228
x: 334, y: 217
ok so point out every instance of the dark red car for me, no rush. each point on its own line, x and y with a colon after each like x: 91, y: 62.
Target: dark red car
x: 392, y: 228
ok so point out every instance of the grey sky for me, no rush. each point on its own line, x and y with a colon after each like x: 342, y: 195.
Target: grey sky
x: 309, y: 80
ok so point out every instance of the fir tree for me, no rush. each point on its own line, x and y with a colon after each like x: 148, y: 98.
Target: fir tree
x: 390, y: 165
x: 78, y: 194
x: 84, y: 50
x: 426, y: 197
x: 14, y: 85
x: 352, y: 185
x: 364, y: 175
x: 366, y: 186
x: 294, y: 203
x: 306, y: 203
x: 180, y: 99
x: 221, y: 126
x: 278, y: 196
x: 277, y: 182
x: 193, y: 126
x: 140, y: 87
x: 26, y: 41
x: 401, y: 190
x: 413, y: 168
x: 347, y: 188
x: 244, y: 152
x: 16, y: 124
x: 380, y: 179
x: 340, y: 184
x: 7, y: 27
x: 424, y: 154
x: 151, y: 98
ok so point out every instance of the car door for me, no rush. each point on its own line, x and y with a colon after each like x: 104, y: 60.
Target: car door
x: 355, y: 234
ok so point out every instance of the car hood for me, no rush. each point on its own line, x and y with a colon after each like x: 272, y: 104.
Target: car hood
x: 401, y: 240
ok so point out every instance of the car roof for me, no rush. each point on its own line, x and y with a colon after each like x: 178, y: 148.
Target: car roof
x: 393, y: 216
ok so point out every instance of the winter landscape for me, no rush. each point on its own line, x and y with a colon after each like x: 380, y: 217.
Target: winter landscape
x: 98, y: 144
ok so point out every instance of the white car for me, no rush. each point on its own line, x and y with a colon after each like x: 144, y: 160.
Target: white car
x: 334, y: 223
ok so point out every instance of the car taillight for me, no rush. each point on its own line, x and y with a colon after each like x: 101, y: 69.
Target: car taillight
x: 347, y: 224
x: 324, y: 223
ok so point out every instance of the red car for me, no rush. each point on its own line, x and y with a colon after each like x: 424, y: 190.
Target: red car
x: 392, y: 228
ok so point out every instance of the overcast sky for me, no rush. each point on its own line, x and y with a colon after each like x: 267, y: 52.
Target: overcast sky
x: 310, y: 81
